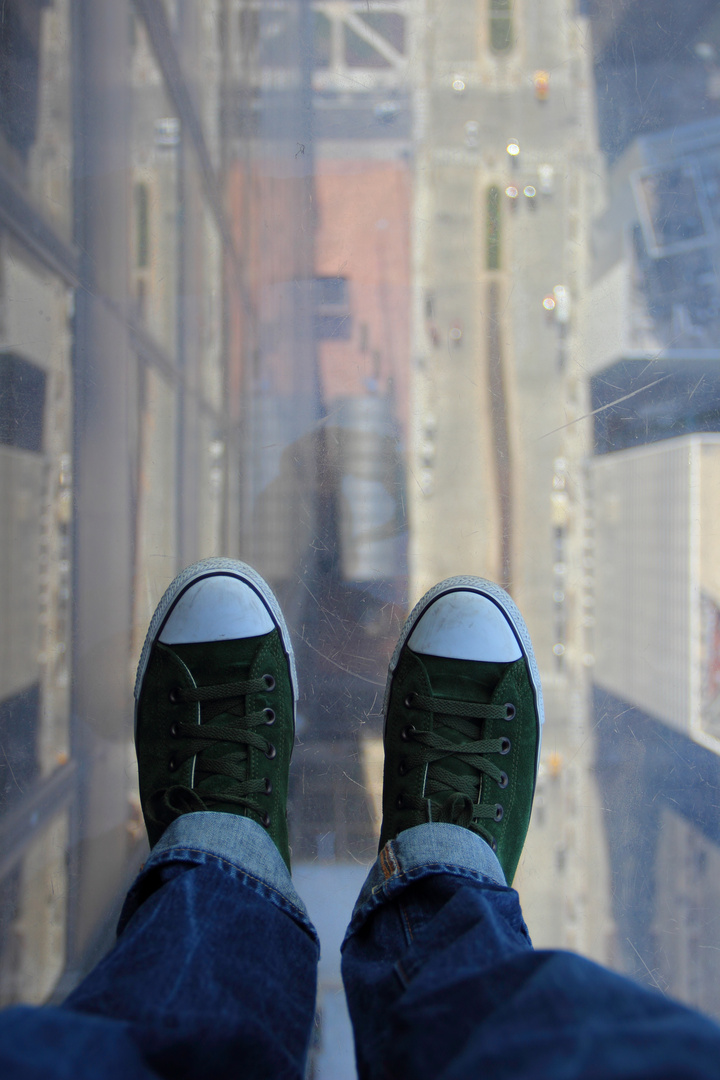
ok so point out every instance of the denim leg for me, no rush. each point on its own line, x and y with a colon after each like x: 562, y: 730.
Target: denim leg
x: 443, y: 983
x: 213, y: 974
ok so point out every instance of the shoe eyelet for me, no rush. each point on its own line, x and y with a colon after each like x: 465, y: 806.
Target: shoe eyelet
x: 399, y: 803
x: 265, y: 821
x: 509, y: 710
x: 505, y: 745
x: 174, y: 730
x: 410, y: 699
x: 498, y: 812
x: 402, y: 768
x: 172, y: 764
x: 269, y: 682
x: 174, y: 696
x: 493, y: 844
x: 270, y: 714
x: 503, y: 781
x: 270, y: 752
x: 407, y: 731
x: 268, y: 785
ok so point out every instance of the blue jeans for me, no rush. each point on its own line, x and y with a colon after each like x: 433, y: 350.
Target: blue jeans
x: 214, y: 975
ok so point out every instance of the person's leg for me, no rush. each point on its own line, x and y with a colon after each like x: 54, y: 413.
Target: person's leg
x: 215, y: 966
x: 441, y: 977
x: 442, y: 982
x: 213, y: 973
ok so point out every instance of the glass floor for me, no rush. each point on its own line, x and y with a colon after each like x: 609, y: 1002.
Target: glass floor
x: 367, y: 294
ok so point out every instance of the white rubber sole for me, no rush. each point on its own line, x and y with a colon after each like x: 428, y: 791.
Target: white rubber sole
x: 210, y: 568
x: 509, y: 609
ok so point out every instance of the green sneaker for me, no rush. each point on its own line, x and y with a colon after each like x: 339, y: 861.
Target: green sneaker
x: 215, y: 701
x: 463, y: 718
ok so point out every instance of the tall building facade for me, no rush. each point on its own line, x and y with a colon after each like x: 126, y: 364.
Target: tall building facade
x: 651, y: 319
x: 119, y: 455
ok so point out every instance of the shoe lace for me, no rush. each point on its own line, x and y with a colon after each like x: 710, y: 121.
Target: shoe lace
x: 236, y: 726
x: 430, y: 748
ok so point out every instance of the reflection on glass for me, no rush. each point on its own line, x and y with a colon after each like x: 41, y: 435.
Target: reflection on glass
x: 155, y: 147
x: 35, y: 626
x: 35, y: 108
x: 368, y: 295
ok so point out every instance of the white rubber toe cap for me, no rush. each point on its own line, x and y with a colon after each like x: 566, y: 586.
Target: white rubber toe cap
x: 217, y: 608
x: 465, y: 626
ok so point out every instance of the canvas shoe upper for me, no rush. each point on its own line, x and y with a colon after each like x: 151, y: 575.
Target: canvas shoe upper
x: 215, y: 701
x: 463, y: 718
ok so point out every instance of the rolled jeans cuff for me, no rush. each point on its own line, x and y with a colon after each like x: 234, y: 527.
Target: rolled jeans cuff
x: 239, y: 845
x: 431, y: 848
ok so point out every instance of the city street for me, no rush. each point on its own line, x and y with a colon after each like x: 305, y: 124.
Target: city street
x: 368, y: 295
x: 500, y: 377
